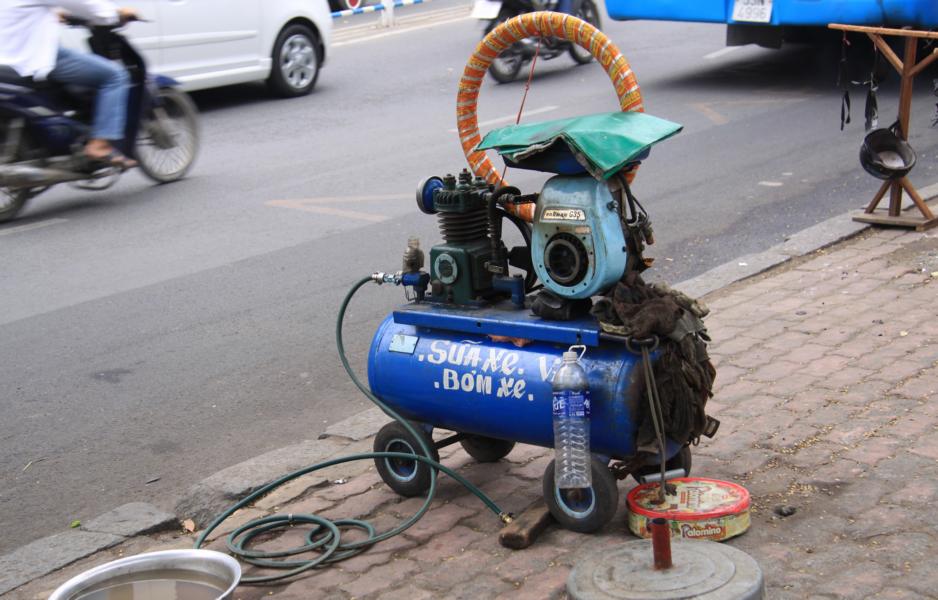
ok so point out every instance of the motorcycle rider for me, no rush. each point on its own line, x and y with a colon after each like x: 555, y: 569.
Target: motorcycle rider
x: 29, y: 43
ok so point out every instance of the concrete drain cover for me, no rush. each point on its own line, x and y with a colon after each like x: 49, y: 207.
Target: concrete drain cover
x: 705, y: 570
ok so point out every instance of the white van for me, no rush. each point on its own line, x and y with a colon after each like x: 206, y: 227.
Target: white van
x: 210, y: 43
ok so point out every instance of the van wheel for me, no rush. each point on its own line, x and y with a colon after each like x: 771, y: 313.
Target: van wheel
x: 296, y: 58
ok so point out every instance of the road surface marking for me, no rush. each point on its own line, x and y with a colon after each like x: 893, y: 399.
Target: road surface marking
x: 31, y: 226
x: 510, y: 118
x: 398, y: 31
x: 316, y: 205
x: 771, y: 183
x: 715, y: 117
x: 721, y: 52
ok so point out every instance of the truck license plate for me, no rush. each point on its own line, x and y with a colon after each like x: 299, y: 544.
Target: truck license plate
x: 752, y: 11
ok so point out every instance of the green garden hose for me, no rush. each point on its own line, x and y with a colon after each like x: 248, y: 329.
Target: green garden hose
x: 325, y: 536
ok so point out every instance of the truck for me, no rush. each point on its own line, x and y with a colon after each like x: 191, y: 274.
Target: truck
x: 769, y: 23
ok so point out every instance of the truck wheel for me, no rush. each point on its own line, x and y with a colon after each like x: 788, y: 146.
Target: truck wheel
x: 406, y: 477
x: 586, y: 510
x: 486, y: 449
x: 296, y: 60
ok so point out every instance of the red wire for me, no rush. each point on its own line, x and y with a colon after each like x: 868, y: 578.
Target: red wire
x: 527, y: 86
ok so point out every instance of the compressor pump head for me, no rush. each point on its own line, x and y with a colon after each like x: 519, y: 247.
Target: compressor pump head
x: 470, y: 266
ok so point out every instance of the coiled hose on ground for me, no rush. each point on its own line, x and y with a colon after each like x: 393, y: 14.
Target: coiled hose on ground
x: 325, y: 537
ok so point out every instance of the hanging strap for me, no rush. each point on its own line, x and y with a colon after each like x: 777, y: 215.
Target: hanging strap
x: 843, y: 82
x: 934, y: 84
x: 871, y: 110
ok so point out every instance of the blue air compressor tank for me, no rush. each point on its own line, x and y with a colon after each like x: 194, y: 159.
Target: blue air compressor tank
x: 464, y: 381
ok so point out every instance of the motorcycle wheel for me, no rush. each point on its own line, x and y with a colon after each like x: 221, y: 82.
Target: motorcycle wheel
x: 588, y: 12
x: 169, y: 137
x: 506, y: 66
x: 11, y: 202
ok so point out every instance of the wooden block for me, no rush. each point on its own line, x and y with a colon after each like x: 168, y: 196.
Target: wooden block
x: 525, y: 529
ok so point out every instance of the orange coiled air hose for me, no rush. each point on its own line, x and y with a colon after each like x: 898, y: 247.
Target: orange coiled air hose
x: 535, y: 24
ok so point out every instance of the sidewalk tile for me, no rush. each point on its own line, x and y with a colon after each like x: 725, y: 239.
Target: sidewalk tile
x: 382, y: 577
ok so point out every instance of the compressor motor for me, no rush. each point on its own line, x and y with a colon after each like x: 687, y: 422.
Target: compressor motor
x: 576, y: 247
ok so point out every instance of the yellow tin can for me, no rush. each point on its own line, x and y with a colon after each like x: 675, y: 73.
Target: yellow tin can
x: 701, y: 509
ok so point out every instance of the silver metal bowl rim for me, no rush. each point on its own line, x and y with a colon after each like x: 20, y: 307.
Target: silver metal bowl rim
x: 81, y: 582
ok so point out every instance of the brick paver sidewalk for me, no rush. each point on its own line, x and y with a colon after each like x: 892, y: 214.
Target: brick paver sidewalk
x: 826, y: 389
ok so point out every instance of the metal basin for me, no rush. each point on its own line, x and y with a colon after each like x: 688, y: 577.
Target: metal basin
x: 206, y: 566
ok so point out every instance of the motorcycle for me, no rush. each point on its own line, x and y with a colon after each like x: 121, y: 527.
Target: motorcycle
x: 508, y: 64
x: 44, y: 127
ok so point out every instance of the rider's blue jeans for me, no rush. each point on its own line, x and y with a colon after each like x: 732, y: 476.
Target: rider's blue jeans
x: 111, y: 81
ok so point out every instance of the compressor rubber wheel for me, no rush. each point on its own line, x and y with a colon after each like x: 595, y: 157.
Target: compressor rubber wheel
x: 406, y: 477
x: 486, y: 449
x: 681, y: 460
x: 583, y: 510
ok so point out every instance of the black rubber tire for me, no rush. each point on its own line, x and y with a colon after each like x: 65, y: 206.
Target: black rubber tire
x: 603, y: 500
x: 681, y: 460
x: 486, y: 449
x: 506, y: 69
x: 11, y: 202
x: 279, y: 81
x: 181, y: 110
x: 587, y: 11
x: 406, y: 477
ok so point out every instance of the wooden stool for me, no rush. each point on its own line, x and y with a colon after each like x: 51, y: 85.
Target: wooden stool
x: 908, y: 69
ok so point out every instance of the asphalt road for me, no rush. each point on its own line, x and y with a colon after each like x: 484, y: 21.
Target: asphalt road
x: 159, y: 334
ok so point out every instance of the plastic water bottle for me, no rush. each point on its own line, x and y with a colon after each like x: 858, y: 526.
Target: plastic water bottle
x: 571, y: 407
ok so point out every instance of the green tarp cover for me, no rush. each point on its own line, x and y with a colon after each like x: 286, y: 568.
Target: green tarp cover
x: 602, y: 144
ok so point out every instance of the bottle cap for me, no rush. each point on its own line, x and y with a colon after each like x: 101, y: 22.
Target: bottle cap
x: 570, y: 356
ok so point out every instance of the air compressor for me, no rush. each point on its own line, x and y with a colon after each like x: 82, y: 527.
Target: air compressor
x: 474, y: 350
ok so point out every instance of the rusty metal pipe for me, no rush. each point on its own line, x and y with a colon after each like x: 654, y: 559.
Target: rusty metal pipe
x: 661, y: 543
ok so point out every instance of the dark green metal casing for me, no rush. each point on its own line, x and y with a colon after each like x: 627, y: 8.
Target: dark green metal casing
x: 472, y: 280
x: 458, y: 270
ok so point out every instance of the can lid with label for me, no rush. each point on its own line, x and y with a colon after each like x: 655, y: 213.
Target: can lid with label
x: 701, y: 508
x: 695, y: 498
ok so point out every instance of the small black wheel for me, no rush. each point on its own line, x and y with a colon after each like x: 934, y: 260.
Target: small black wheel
x: 486, y: 449
x: 681, y: 460
x: 296, y: 57
x: 585, y: 510
x: 406, y: 477
x: 588, y: 12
